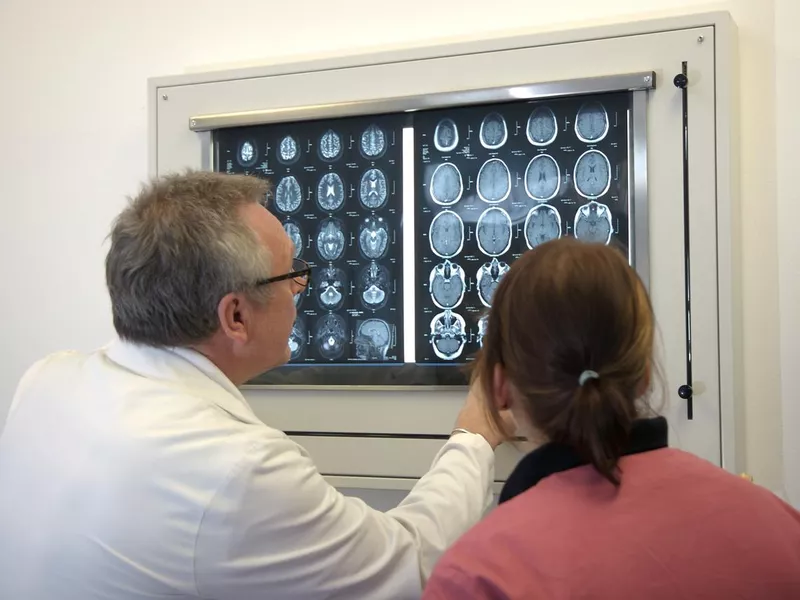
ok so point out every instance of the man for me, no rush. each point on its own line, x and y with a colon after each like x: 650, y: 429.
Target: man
x: 139, y: 470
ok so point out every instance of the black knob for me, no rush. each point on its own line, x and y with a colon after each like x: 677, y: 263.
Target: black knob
x: 680, y: 80
x: 685, y: 391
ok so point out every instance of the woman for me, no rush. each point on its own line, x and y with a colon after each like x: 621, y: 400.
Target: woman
x: 602, y: 508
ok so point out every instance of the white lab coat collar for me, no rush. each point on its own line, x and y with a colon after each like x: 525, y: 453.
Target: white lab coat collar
x: 185, y: 367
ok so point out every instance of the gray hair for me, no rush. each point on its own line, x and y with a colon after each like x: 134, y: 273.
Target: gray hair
x: 177, y: 249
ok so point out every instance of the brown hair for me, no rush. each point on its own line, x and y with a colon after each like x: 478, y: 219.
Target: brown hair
x: 564, y: 308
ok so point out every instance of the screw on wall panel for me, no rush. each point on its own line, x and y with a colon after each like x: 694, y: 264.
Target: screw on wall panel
x: 700, y: 39
x: 193, y: 122
x: 164, y: 97
x: 647, y: 78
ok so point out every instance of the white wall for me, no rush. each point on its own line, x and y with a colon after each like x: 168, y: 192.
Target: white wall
x: 72, y: 96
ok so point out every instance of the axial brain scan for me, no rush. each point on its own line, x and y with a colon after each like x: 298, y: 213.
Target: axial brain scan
x: 483, y: 322
x: 494, y: 231
x: 292, y: 229
x: 331, y: 336
x: 542, y: 224
x: 332, y: 287
x: 489, y: 276
x: 297, y: 339
x: 493, y: 133
x: 446, y: 184
x: 374, y: 286
x: 372, y: 340
x: 446, y: 284
x: 446, y: 234
x: 330, y: 145
x: 591, y: 122
x: 330, y: 240
x: 593, y: 223
x: 373, y: 237
x: 494, y: 181
x: 373, y: 142
x: 448, y: 335
x: 542, y: 177
x: 288, y: 195
x: 288, y: 150
x: 542, y: 127
x: 592, y: 174
x: 330, y: 192
x: 248, y: 155
x: 372, y: 191
x: 445, y: 136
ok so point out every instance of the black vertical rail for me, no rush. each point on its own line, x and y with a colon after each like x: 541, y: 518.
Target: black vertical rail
x: 685, y: 391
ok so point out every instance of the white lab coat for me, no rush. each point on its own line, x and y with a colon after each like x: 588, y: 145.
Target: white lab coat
x: 134, y: 473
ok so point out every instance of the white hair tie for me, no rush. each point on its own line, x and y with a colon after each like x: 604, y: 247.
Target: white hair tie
x: 586, y: 376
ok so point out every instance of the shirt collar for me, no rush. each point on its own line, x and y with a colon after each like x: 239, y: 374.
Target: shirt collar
x: 646, y: 435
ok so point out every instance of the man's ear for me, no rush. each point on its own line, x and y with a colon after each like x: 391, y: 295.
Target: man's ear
x: 501, y: 394
x: 234, y: 316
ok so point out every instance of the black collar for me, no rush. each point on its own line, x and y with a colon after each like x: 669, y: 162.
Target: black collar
x: 646, y: 435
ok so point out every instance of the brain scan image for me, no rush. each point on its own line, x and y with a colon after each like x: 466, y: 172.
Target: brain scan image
x: 445, y: 136
x: 448, y: 335
x: 297, y: 339
x: 446, y: 285
x: 332, y: 287
x: 592, y: 174
x: 483, y: 322
x: 494, y: 181
x: 248, y: 154
x: 446, y: 234
x: 331, y: 335
x: 446, y: 184
x: 330, y: 146
x: 542, y: 127
x: 330, y: 192
x: 288, y: 195
x: 373, y: 237
x: 292, y: 229
x: 591, y: 122
x: 593, y: 223
x: 288, y: 150
x: 493, y: 132
x: 542, y: 178
x: 489, y: 276
x: 373, y: 190
x: 374, y: 284
x: 542, y: 224
x: 330, y: 240
x: 373, y: 142
x: 494, y: 231
x: 372, y: 340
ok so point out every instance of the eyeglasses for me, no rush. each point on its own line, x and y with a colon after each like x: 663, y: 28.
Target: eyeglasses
x: 301, y: 273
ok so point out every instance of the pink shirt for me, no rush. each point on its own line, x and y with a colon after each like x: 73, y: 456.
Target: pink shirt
x: 677, y: 528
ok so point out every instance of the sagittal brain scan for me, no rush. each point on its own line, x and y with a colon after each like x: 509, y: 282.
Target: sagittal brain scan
x: 373, y: 338
x: 494, y: 231
x: 373, y: 237
x: 332, y: 287
x: 593, y: 223
x: 445, y: 136
x: 591, y: 122
x: 448, y: 335
x: 483, y: 322
x: 542, y: 126
x: 489, y: 276
x: 292, y: 229
x: 493, y: 132
x: 288, y: 150
x: 494, y: 181
x: 330, y: 146
x: 373, y: 191
x: 592, y: 174
x: 374, y: 286
x: 330, y: 192
x: 542, y: 178
x: 446, y: 184
x: 331, y: 336
x: 331, y: 240
x: 446, y: 234
x: 248, y: 154
x: 542, y: 224
x: 288, y: 195
x: 447, y: 285
x: 373, y: 142
x: 297, y: 339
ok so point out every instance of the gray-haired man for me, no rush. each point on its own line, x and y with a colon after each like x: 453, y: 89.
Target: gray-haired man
x: 140, y: 471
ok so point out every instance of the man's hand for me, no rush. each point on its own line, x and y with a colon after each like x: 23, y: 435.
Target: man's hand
x: 474, y: 417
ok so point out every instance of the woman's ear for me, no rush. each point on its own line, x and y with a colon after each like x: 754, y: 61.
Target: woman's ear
x: 501, y: 394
